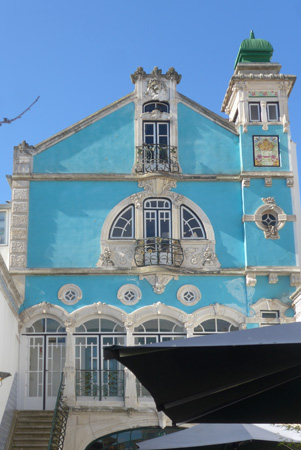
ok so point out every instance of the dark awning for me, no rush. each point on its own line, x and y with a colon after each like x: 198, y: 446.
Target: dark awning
x: 217, y: 433
x: 250, y: 376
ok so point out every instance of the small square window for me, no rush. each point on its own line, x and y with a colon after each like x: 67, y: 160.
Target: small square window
x: 254, y: 112
x: 3, y: 228
x: 273, y: 112
x: 269, y: 317
x: 269, y: 314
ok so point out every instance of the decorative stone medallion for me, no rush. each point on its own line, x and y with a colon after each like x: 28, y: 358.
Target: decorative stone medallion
x: 69, y: 294
x: 129, y: 294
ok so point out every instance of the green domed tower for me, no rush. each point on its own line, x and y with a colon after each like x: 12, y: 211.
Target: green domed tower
x: 254, y: 50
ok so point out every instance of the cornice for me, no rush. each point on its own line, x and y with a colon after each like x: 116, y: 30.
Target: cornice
x: 138, y: 177
x: 148, y: 270
x: 241, y: 77
x: 78, y: 126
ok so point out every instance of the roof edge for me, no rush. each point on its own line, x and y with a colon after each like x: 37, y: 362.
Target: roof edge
x: 210, y: 114
x: 80, y: 125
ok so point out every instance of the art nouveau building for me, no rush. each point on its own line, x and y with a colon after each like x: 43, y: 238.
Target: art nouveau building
x: 152, y: 219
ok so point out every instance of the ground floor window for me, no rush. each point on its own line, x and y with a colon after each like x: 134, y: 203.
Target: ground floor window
x: 46, y: 340
x: 96, y: 377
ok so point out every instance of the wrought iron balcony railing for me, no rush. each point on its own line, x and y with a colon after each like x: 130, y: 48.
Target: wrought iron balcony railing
x: 158, y: 251
x: 156, y: 158
x: 99, y: 384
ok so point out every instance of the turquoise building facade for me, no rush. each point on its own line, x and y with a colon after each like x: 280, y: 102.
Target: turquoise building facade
x: 152, y: 219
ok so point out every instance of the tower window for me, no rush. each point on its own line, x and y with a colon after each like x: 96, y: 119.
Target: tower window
x: 273, y: 112
x: 254, y: 112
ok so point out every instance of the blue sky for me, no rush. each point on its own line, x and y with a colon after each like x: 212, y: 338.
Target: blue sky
x: 78, y: 56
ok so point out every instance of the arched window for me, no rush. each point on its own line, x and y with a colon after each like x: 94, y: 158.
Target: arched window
x: 214, y: 325
x: 123, y: 225
x: 191, y: 225
x: 97, y: 378
x: 159, y: 106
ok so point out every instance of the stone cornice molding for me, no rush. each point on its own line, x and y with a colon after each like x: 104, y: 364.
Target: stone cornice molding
x: 8, y: 288
x: 251, y: 77
x: 174, y: 271
x: 138, y: 178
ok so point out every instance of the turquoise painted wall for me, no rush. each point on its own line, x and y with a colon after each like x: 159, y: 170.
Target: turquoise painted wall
x: 231, y: 291
x: 204, y: 146
x: 246, y: 145
x: 66, y: 219
x: 268, y: 252
x: 222, y: 203
x: 106, y: 146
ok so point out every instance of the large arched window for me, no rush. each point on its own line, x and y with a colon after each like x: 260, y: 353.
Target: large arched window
x: 148, y: 229
x: 97, y: 378
x: 214, y: 325
x: 123, y: 225
x: 191, y: 225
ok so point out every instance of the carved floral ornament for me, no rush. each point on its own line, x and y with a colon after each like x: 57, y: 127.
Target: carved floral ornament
x: 270, y: 218
x: 156, y: 75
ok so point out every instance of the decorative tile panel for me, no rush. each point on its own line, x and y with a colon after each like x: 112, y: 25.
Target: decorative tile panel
x: 266, y: 151
x: 262, y: 94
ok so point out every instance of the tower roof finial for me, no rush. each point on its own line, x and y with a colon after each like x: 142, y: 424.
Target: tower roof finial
x: 254, y: 50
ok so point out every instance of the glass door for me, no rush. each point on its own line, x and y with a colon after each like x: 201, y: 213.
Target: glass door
x: 156, y: 146
x: 157, y: 232
x: 45, y: 366
x: 55, y: 362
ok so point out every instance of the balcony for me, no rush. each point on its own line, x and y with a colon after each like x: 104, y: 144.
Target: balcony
x: 156, y: 158
x: 157, y: 251
x: 99, y: 384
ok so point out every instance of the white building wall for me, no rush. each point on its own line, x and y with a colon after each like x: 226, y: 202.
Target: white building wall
x: 9, y: 351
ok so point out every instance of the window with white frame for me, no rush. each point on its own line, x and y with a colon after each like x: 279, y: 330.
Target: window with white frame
x: 158, y: 106
x: 191, y: 225
x: 254, y: 112
x: 123, y: 225
x: 273, y: 112
x: 269, y: 317
x: 46, y: 343
x: 214, y: 325
x: 3, y: 228
x: 97, y: 378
